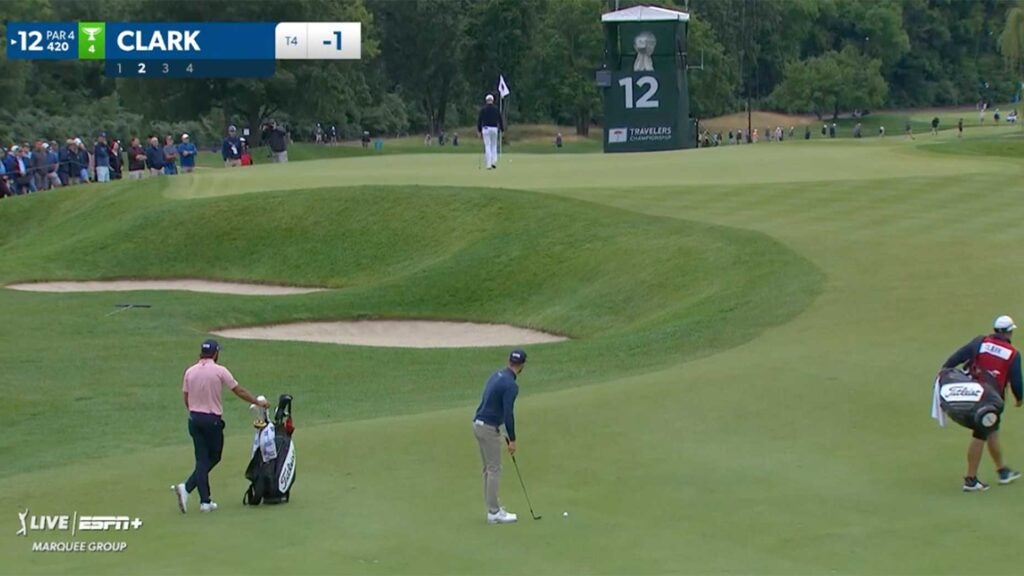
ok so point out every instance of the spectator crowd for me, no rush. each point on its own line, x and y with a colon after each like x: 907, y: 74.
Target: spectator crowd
x: 41, y: 165
x: 33, y: 167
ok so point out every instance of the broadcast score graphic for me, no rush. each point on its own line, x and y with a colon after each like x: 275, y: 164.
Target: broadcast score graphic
x: 183, y: 49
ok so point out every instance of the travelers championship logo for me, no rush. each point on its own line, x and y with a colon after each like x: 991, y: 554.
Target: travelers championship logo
x: 966, y: 392
x: 650, y: 134
x: 645, y: 134
x: 75, y: 524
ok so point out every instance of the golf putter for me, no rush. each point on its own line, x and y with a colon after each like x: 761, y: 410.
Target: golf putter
x: 521, y: 483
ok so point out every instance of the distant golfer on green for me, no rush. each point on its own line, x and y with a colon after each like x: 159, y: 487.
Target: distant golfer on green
x: 497, y: 409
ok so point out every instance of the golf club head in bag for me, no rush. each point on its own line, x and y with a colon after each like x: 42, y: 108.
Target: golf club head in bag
x: 971, y: 400
x: 283, y: 415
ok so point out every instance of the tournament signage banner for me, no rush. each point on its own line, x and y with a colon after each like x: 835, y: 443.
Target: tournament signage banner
x: 641, y: 112
x: 643, y: 81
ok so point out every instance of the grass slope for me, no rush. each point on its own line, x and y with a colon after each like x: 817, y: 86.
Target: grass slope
x: 806, y: 450
x: 634, y: 292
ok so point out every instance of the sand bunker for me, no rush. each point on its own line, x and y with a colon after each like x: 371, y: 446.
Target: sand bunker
x: 184, y: 284
x: 396, y: 334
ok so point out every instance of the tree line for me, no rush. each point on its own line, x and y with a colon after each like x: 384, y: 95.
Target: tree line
x: 427, y: 63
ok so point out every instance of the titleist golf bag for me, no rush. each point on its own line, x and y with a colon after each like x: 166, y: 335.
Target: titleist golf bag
x: 972, y: 401
x: 271, y: 471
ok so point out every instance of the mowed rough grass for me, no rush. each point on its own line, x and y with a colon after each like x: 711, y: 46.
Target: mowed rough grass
x: 805, y: 450
x: 632, y: 292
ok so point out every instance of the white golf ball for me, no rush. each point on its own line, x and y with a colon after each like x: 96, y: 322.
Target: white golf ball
x: 565, y: 514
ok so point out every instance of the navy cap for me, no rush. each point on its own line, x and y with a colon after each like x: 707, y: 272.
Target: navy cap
x: 517, y: 356
x: 209, y: 348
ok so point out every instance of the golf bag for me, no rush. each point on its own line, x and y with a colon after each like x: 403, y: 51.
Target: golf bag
x: 271, y: 470
x: 972, y: 401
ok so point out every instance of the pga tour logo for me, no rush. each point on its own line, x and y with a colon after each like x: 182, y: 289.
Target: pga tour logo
x: 74, y: 523
x: 966, y: 392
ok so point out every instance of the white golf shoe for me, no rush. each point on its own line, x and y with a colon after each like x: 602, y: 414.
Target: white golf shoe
x: 208, y: 507
x: 502, y: 517
x: 181, y: 495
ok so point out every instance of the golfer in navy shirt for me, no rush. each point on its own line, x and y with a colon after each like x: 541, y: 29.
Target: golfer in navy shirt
x: 496, y: 410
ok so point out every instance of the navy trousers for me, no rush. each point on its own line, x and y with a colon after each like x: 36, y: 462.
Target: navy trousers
x: 207, y: 431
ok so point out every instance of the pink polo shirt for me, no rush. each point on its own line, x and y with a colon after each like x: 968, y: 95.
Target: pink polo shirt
x: 203, y: 381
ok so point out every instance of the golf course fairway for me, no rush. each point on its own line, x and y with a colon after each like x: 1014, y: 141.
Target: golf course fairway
x: 752, y: 332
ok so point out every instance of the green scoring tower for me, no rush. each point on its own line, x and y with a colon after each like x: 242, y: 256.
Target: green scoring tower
x: 646, y: 96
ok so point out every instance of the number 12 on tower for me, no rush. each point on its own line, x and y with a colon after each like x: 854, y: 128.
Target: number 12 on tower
x: 646, y: 99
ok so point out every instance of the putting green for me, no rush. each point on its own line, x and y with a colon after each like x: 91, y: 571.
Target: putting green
x: 719, y: 410
x: 792, y: 163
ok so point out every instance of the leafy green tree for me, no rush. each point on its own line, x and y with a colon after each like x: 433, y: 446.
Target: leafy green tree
x: 760, y: 36
x: 834, y: 82
x: 501, y: 33
x: 387, y: 117
x: 921, y: 77
x: 713, y: 89
x: 874, y: 27
x: 422, y: 43
x: 561, y: 64
x: 1011, y: 40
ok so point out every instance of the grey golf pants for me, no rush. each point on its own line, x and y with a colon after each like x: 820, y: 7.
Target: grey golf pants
x: 489, y: 439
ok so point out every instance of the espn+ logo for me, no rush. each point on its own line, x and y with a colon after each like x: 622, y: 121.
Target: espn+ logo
x: 74, y: 523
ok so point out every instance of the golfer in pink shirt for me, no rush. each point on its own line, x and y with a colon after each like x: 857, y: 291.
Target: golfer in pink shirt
x: 202, y: 388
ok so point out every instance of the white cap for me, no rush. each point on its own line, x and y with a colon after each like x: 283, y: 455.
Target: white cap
x: 78, y: 141
x: 489, y: 98
x: 46, y: 146
x: 1004, y: 324
x: 184, y: 136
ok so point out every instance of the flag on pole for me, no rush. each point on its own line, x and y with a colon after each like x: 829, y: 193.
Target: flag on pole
x: 502, y: 87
